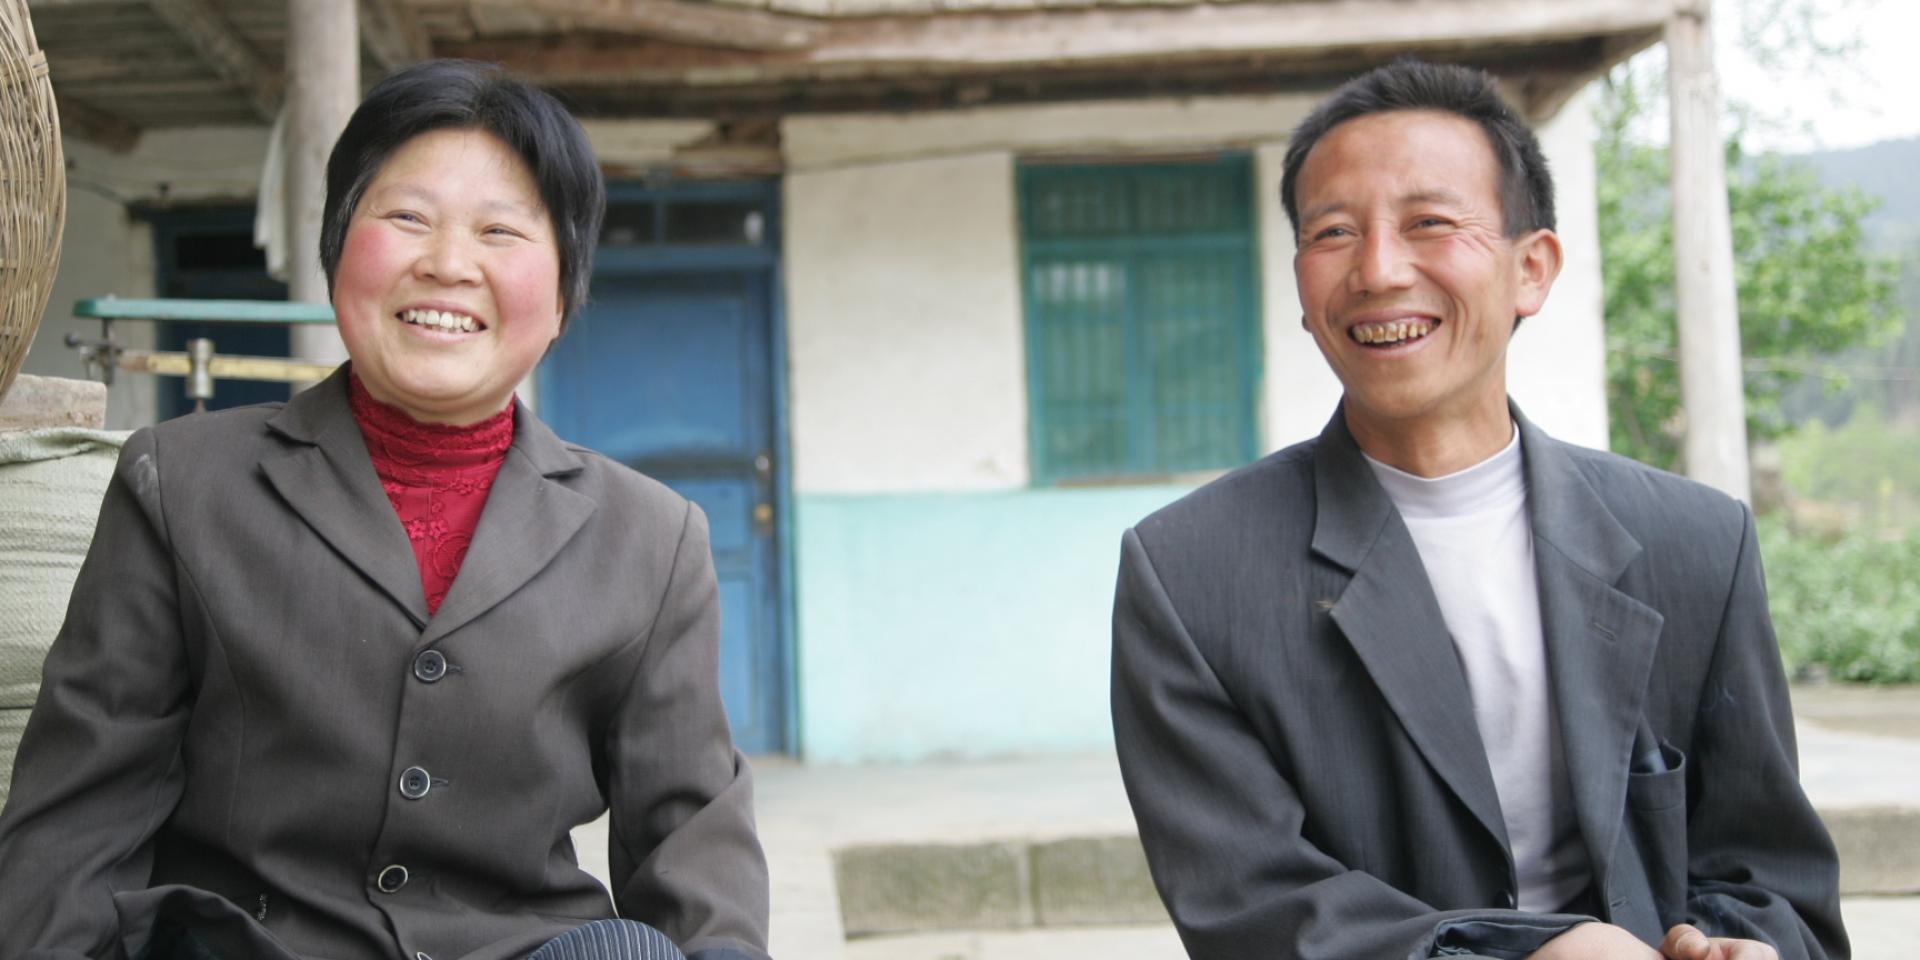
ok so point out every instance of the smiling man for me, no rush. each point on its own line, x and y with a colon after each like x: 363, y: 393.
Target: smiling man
x: 1435, y: 684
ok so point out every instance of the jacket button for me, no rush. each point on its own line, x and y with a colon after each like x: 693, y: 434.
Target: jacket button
x: 391, y: 879
x: 429, y: 666
x: 414, y: 783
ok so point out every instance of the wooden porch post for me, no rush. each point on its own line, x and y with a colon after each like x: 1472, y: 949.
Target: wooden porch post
x: 1706, y: 304
x: 323, y: 86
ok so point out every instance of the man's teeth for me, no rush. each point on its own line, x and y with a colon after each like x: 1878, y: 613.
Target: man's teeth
x: 1393, y: 332
x: 441, y: 320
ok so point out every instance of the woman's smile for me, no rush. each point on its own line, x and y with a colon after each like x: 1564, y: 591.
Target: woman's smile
x: 444, y: 321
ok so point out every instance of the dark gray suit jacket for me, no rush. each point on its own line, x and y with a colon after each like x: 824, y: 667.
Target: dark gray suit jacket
x: 1299, y: 744
x: 244, y: 679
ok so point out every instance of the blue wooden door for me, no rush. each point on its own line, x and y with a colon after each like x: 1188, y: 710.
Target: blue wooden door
x: 669, y: 370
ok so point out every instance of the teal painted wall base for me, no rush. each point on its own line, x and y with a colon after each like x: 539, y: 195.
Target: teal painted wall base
x: 957, y: 625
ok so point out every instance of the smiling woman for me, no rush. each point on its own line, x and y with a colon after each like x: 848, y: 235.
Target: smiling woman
x: 447, y: 288
x: 341, y: 675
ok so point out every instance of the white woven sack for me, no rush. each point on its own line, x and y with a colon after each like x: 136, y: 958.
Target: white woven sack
x: 51, y: 483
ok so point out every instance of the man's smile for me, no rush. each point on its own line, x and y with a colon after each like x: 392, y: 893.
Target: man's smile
x: 1392, y: 332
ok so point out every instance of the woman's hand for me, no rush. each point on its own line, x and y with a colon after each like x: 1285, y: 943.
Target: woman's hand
x: 1686, y: 942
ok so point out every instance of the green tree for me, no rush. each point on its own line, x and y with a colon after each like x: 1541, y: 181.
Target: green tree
x: 1807, y: 286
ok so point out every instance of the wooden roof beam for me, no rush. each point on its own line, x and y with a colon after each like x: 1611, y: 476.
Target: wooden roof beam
x: 1541, y: 93
x: 392, y: 34
x: 225, y: 50
x: 699, y: 23
x: 1301, y: 28
x: 86, y: 122
x: 977, y: 42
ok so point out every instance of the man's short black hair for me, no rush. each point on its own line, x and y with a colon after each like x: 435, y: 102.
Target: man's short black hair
x: 1526, y: 187
x: 466, y: 95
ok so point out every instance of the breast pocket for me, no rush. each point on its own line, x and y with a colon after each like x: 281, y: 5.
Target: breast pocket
x: 1656, y: 827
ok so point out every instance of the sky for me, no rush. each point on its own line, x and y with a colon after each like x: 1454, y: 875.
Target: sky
x: 1868, y: 95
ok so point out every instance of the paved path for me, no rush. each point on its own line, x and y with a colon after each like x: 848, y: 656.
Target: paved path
x: 1859, y: 750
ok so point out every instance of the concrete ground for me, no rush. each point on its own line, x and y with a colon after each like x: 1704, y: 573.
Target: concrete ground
x: 1039, y: 845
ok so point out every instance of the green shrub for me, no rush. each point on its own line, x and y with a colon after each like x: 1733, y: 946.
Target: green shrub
x: 1847, y: 607
x: 1867, y: 469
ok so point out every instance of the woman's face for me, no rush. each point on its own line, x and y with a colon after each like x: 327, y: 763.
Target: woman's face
x: 448, y: 287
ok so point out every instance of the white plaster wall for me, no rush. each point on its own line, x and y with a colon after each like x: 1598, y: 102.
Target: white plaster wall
x: 1557, y: 364
x: 903, y: 318
x: 1095, y: 129
x: 903, y: 279
x: 1299, y: 390
x: 106, y: 251
x: 101, y: 252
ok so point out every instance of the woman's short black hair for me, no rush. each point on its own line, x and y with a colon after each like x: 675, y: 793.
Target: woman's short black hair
x: 1526, y: 187
x: 466, y: 95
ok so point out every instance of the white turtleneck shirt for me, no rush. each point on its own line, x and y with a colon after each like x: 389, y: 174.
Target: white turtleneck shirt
x: 1476, y: 542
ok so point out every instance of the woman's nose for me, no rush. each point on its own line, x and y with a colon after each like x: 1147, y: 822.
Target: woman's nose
x: 448, y: 259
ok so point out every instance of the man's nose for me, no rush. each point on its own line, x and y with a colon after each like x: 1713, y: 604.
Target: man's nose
x: 448, y: 259
x: 1385, y: 262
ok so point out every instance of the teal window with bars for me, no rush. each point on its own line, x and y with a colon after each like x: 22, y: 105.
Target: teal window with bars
x: 1141, y: 309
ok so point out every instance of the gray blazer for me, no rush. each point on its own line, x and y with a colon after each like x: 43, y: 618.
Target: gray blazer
x: 250, y: 725
x: 1299, y: 745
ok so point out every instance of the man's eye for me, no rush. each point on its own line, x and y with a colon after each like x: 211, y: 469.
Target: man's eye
x: 1330, y: 233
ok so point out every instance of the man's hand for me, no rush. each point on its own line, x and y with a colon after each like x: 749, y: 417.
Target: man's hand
x: 1599, y: 941
x: 1686, y: 942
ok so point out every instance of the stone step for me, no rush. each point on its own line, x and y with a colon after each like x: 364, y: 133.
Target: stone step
x: 1882, y: 928
x: 1078, y: 881
x: 1879, y: 850
x: 899, y: 888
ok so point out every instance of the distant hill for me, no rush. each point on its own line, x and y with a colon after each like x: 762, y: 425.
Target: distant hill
x: 1889, y: 170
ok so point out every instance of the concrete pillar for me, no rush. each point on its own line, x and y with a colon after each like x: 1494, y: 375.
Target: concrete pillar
x: 1706, y: 304
x: 323, y: 86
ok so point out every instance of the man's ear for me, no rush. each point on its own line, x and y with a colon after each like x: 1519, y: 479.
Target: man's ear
x: 1538, y: 257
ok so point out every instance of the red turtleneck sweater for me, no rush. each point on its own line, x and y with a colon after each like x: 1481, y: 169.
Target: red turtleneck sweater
x: 437, y: 476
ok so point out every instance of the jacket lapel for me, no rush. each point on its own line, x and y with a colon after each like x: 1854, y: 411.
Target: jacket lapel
x: 1600, y: 641
x: 328, y: 480
x: 1389, y: 614
x: 528, y: 518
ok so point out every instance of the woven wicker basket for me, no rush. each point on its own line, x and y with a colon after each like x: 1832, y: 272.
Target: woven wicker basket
x: 33, y: 188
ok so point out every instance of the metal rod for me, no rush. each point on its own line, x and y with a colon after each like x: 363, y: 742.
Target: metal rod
x: 273, y: 369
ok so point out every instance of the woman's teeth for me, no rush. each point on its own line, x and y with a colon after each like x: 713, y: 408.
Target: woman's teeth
x: 1399, y: 330
x: 441, y: 320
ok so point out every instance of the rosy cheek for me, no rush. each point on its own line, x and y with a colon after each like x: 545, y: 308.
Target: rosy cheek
x: 526, y: 288
x: 361, y: 279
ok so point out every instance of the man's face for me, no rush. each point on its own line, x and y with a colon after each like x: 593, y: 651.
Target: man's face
x: 1407, y: 279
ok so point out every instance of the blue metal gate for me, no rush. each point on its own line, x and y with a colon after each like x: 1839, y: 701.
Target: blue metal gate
x: 675, y: 370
